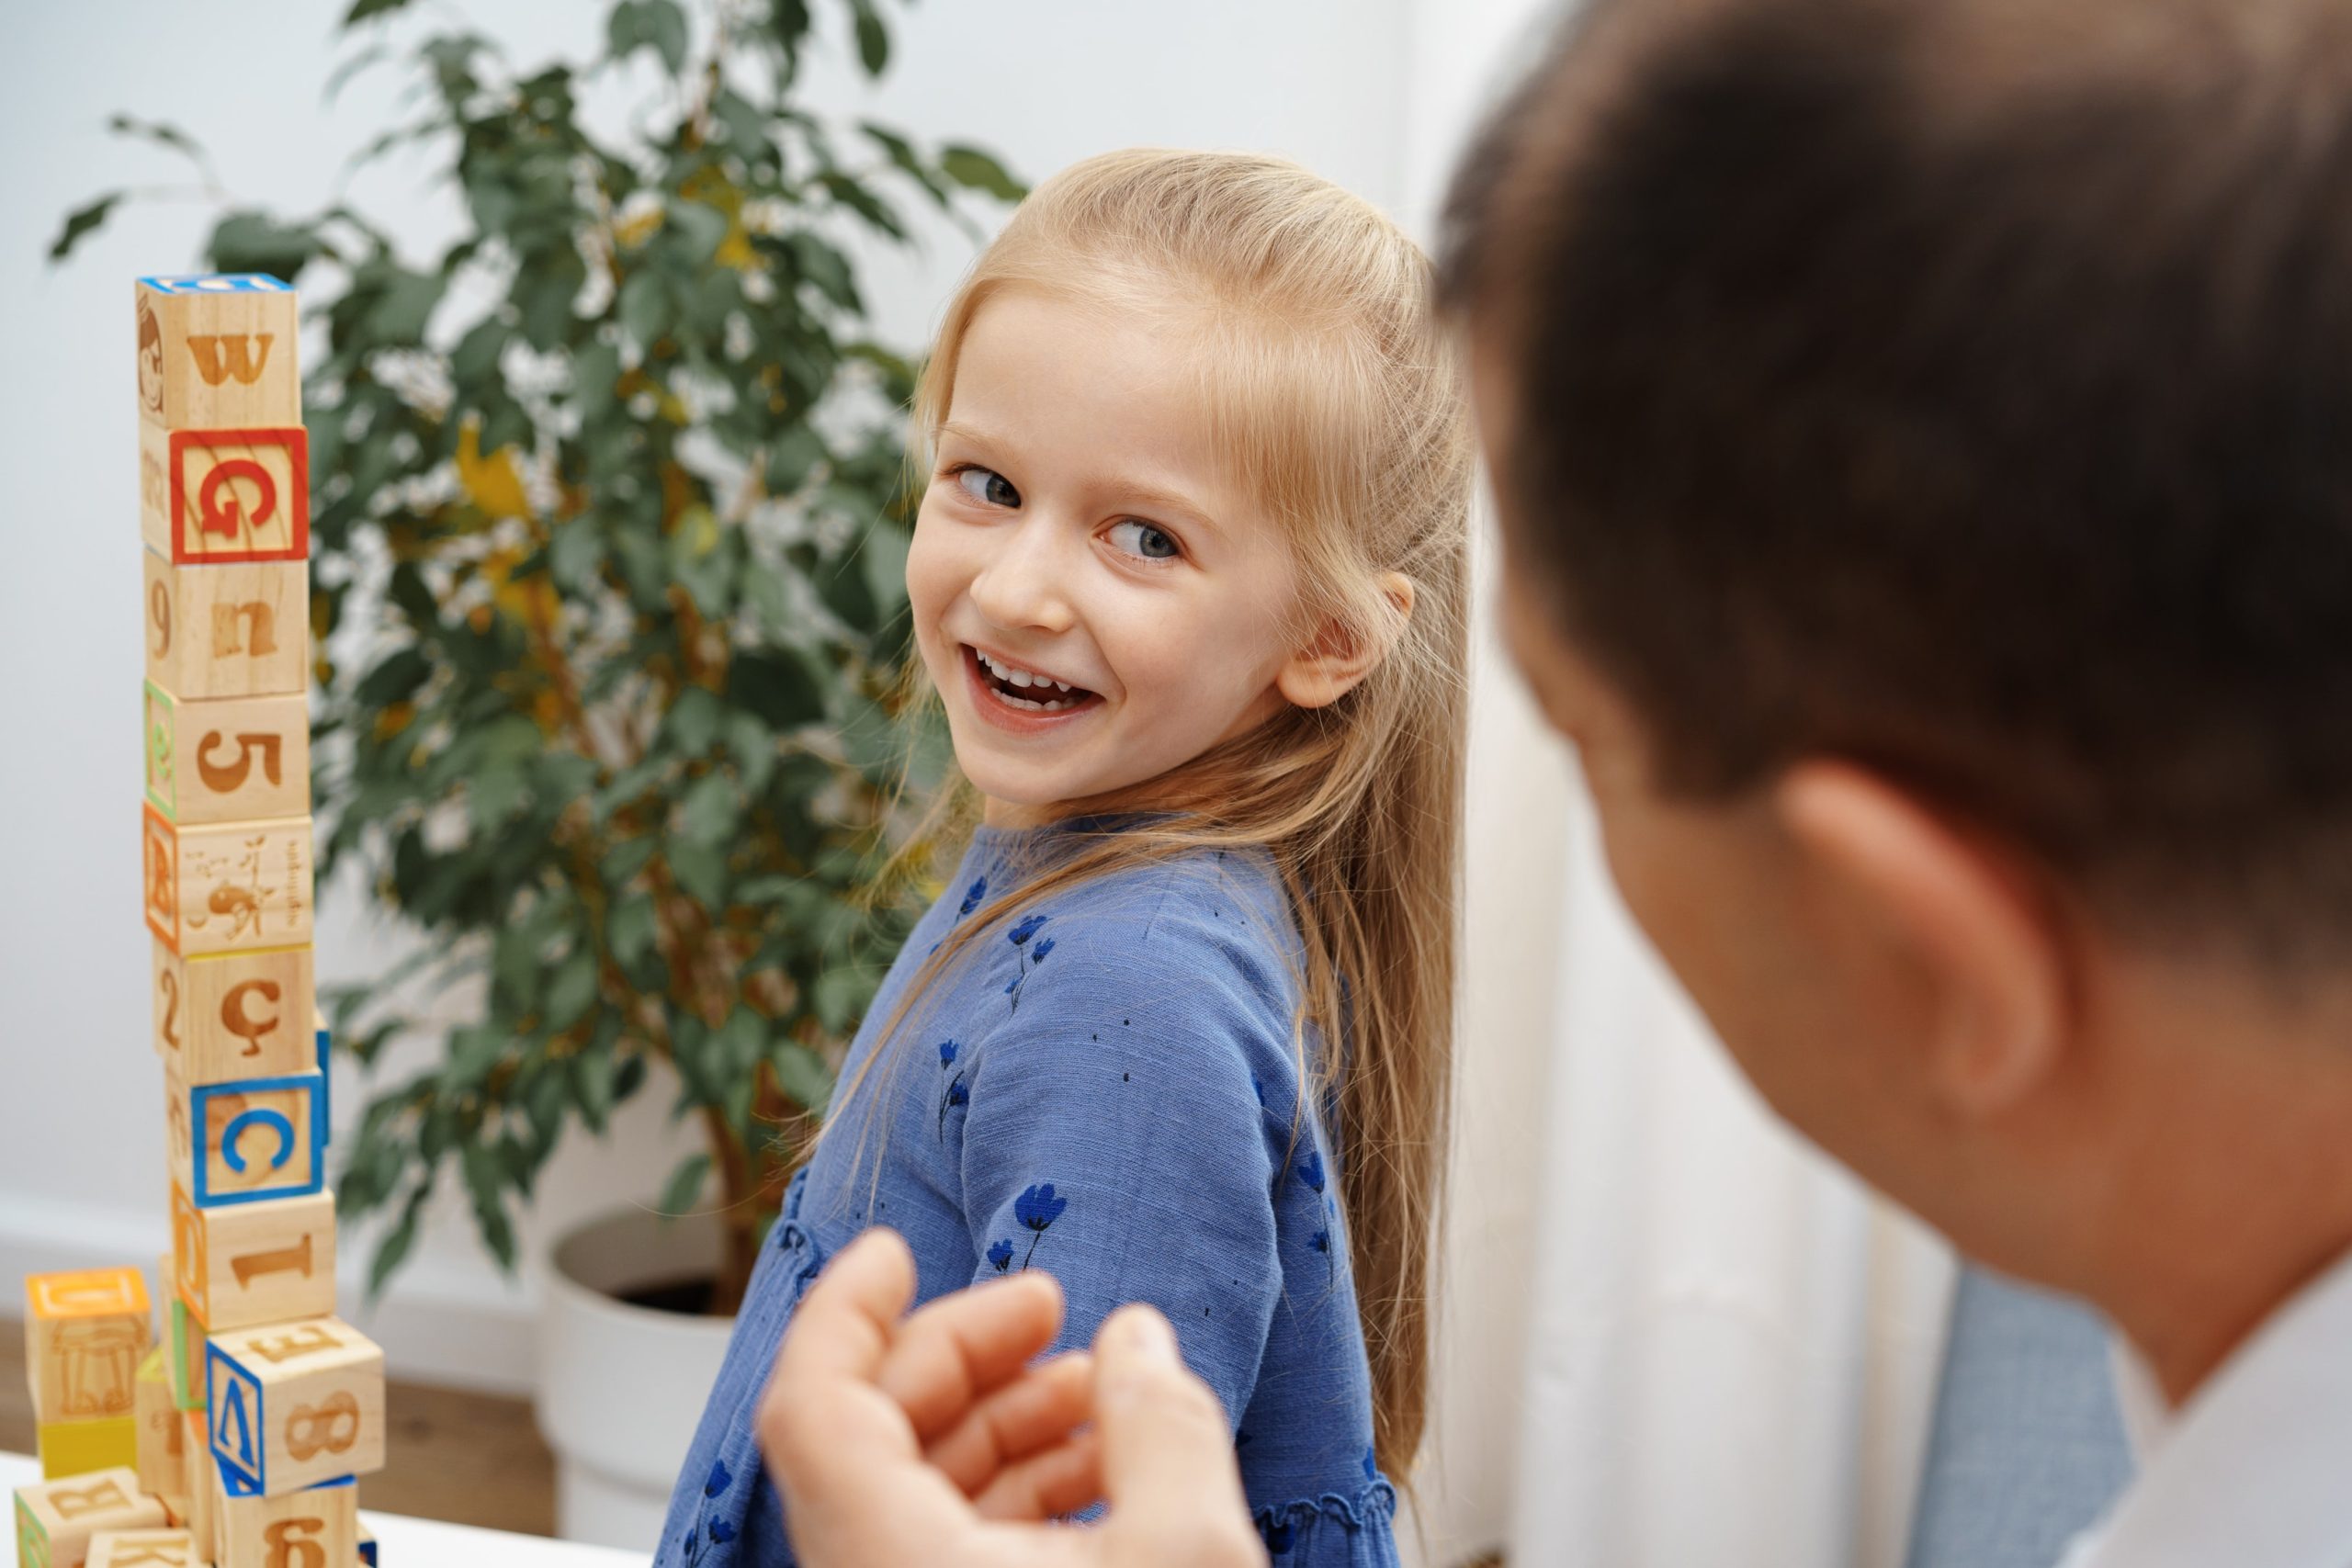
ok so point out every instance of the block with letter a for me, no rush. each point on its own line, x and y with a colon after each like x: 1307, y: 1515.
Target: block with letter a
x: 246, y: 1141
x: 56, y: 1520
x: 242, y: 1264
x: 215, y: 497
x: 226, y: 631
x: 239, y: 760
x: 315, y: 1528
x: 227, y: 886
x: 143, y: 1549
x: 292, y: 1405
x: 238, y: 1015
x: 216, y: 352
x: 85, y: 1336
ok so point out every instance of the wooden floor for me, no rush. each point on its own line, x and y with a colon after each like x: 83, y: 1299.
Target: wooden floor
x: 468, y: 1458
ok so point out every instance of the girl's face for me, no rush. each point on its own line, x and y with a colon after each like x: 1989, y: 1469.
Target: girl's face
x: 1078, y: 532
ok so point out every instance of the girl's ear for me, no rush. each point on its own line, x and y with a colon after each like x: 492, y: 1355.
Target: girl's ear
x: 1330, y: 667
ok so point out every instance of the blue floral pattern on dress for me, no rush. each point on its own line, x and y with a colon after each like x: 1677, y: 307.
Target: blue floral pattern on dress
x: 1026, y: 958
x: 1001, y: 1256
x: 959, y: 1093
x: 1037, y: 1209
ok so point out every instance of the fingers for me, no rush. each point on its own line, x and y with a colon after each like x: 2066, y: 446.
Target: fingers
x: 822, y: 1385
x: 1022, y: 1419
x: 1167, y: 1466
x: 1062, y: 1480
x: 958, y: 1349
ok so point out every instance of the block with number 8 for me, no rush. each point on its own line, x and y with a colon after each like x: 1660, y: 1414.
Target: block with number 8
x: 293, y: 1404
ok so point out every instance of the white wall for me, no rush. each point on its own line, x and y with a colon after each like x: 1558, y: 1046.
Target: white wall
x: 1371, y: 93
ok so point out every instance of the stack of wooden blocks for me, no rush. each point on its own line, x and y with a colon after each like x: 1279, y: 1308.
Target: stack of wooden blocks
x: 236, y: 1441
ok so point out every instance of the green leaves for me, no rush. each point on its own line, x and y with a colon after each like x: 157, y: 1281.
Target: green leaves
x: 615, y: 741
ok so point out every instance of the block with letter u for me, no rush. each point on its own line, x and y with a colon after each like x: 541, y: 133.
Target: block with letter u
x: 248, y: 1140
x: 291, y: 1405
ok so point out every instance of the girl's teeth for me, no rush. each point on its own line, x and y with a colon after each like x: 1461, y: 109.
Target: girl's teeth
x: 1019, y: 677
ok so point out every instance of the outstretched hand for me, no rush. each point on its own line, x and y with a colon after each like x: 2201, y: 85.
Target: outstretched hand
x: 930, y: 1438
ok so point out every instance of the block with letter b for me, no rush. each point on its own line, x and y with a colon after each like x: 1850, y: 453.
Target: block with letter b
x: 143, y: 1549
x: 315, y: 1528
x: 56, y: 1520
x: 218, y: 496
x: 250, y: 1263
x: 227, y: 886
x: 292, y: 1405
x: 217, y: 351
x: 235, y: 760
x: 226, y: 631
x: 246, y: 1141
x: 239, y: 1015
x: 85, y: 1333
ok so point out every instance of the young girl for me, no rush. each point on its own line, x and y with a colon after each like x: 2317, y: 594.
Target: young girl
x: 1188, y: 577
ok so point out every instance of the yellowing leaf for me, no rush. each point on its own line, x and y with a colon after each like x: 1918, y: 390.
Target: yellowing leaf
x: 492, y: 483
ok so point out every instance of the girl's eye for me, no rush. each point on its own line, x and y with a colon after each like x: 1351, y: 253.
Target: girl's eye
x: 1140, y: 539
x: 987, y: 486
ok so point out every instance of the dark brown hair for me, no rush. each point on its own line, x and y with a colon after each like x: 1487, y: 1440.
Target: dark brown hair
x: 1964, y: 386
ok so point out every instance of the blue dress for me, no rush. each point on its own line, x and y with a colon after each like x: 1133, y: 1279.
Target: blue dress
x: 1107, y: 1088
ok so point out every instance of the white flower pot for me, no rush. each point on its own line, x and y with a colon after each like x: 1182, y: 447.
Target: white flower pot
x: 622, y: 1387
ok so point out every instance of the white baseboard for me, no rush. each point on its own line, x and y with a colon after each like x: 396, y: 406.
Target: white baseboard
x: 437, y: 1325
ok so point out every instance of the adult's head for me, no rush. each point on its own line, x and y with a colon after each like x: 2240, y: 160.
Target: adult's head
x: 1923, y: 430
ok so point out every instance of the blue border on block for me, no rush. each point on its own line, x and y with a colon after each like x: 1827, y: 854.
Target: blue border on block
x: 327, y: 1080
x: 235, y: 1479
x: 315, y: 1083
x: 220, y: 282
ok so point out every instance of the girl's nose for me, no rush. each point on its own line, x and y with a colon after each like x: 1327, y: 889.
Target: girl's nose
x: 1024, y: 582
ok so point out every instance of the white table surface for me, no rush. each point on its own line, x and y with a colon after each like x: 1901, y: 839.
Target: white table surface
x: 403, y: 1542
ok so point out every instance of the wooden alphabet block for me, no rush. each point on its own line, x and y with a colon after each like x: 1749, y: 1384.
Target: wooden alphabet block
x: 239, y: 1015
x: 143, y: 1549
x: 77, y: 1448
x: 219, y: 496
x: 292, y: 1405
x: 236, y: 760
x: 246, y: 1141
x: 56, y: 1520
x: 211, y: 355
x: 368, y: 1546
x: 184, y: 1337
x: 252, y: 1263
x: 202, y: 1519
x: 85, y: 1334
x: 228, y: 887
x: 228, y: 631
x: 315, y: 1528
x: 159, y: 1452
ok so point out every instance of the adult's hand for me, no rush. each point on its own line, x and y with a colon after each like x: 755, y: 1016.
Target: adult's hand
x: 931, y: 1440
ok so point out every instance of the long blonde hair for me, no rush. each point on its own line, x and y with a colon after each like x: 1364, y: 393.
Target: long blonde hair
x: 1335, y: 395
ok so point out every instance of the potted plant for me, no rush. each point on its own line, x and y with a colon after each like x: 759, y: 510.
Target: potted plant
x: 616, y: 484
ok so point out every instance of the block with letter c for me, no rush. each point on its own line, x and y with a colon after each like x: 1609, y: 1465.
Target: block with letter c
x: 247, y: 1141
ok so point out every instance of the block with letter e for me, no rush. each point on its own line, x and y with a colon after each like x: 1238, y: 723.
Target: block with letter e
x: 170, y: 1548
x: 218, y: 496
x: 227, y: 886
x: 247, y: 1141
x: 233, y: 759
x: 241, y: 1264
x: 239, y: 1015
x: 85, y: 1333
x: 291, y: 1405
x: 226, y: 631
x: 217, y: 350
x: 56, y: 1520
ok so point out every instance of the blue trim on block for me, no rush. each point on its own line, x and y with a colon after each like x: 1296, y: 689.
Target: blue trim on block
x: 313, y: 1084
x: 217, y: 283
x: 242, y: 1474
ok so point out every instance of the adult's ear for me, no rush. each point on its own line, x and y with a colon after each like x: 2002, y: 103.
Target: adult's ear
x: 1331, y: 667
x: 1989, y: 964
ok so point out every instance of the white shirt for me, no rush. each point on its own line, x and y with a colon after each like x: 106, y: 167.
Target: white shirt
x: 2255, y: 1470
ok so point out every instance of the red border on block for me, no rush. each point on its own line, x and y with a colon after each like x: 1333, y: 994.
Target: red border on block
x: 296, y: 441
